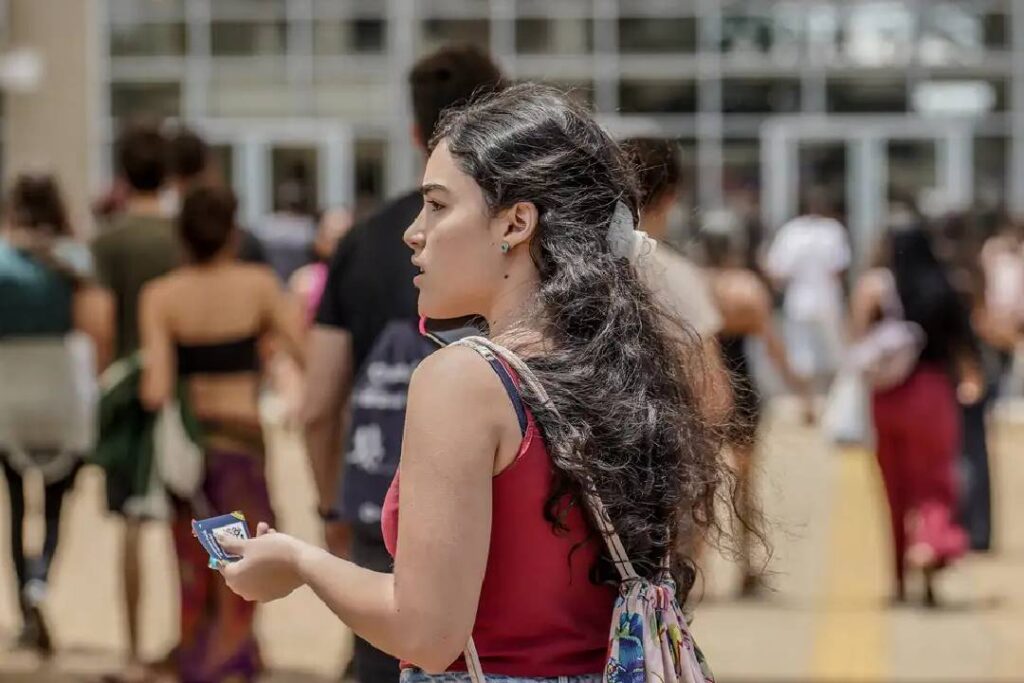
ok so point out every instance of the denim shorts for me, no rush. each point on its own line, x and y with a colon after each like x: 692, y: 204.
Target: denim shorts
x: 419, y: 676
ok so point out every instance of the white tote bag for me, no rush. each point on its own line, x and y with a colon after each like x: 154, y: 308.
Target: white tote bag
x: 178, y: 459
x: 846, y: 421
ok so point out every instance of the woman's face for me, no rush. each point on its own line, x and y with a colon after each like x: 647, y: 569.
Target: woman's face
x: 456, y: 243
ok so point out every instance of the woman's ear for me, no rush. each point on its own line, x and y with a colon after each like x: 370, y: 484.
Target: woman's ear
x: 520, y: 223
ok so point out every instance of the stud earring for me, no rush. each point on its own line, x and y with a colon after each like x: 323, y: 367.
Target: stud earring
x: 505, y: 246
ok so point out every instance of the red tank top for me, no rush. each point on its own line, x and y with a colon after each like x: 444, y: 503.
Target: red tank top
x: 539, y: 614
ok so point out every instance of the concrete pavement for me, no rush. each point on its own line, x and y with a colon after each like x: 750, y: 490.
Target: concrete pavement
x: 825, y: 620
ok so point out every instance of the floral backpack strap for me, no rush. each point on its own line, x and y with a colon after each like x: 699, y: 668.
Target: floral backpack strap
x: 605, y: 526
x: 642, y: 605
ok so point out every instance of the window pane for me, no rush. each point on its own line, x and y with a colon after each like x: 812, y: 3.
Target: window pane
x: 340, y: 37
x: 961, y: 96
x: 778, y: 32
x: 996, y: 30
x: 822, y: 166
x: 990, y: 171
x: 141, y: 40
x: 222, y: 160
x: 756, y: 96
x: 293, y: 175
x: 370, y: 174
x: 654, y: 97
x: 145, y: 99
x: 877, y: 33
x: 866, y: 95
x: 741, y: 163
x: 440, y: 32
x: 357, y: 97
x: 913, y: 168
x: 554, y: 36
x: 954, y: 33
x: 652, y: 35
x: 239, y: 90
x: 137, y: 10
x: 239, y: 39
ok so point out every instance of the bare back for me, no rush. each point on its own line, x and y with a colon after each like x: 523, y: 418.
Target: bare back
x: 742, y: 300
x: 227, y: 306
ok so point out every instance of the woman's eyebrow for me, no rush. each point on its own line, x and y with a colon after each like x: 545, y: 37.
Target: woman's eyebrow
x: 432, y: 186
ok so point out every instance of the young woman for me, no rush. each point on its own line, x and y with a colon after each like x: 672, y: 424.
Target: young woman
x: 918, y: 421
x: 45, y: 293
x: 745, y: 305
x: 490, y: 531
x: 202, y: 323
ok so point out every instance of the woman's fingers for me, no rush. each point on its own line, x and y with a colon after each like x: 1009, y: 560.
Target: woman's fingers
x: 231, y: 544
x: 264, y: 528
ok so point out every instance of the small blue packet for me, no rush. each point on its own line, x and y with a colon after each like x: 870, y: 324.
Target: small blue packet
x: 204, y: 530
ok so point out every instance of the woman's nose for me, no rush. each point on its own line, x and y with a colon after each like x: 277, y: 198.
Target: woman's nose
x: 413, y: 236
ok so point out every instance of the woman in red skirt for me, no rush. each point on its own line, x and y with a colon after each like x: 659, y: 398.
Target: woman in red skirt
x: 917, y: 418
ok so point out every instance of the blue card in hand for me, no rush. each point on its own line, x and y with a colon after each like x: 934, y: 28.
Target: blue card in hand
x: 204, y: 529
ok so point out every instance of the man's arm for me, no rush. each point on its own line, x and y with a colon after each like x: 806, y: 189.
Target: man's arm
x: 329, y: 369
x: 102, y: 301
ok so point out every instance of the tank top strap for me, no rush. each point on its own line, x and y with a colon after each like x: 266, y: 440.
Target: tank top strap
x: 507, y: 376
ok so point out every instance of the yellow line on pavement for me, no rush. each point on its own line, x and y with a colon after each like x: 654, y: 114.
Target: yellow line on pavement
x: 850, y: 643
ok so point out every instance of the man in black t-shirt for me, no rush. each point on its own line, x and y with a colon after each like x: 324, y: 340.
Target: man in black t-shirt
x: 369, y: 288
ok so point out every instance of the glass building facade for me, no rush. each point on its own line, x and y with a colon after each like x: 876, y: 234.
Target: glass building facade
x: 764, y: 97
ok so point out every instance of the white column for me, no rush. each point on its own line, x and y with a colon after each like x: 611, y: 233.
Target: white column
x: 866, y: 194
x: 402, y: 154
x: 606, y: 56
x: 197, y: 74
x: 709, y: 106
x: 955, y: 168
x: 1015, y: 190
x: 780, y: 192
x: 252, y: 159
x: 337, y: 169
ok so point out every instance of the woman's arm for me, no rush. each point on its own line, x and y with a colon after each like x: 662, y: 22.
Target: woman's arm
x: 284, y: 317
x: 93, y: 314
x: 761, y: 307
x: 158, y: 362
x: 424, y: 612
x: 865, y: 303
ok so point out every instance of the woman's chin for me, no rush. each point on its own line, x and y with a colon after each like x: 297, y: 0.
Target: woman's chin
x: 438, y: 310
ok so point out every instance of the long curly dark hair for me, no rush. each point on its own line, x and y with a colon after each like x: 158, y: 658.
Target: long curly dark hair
x: 628, y: 380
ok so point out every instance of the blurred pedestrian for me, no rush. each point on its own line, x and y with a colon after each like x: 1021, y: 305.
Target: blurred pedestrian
x: 201, y: 324
x: 135, y: 246
x: 807, y: 258
x: 308, y: 283
x: 47, y: 398
x: 191, y: 165
x: 528, y: 220
x: 306, y: 287
x: 745, y: 304
x: 287, y: 234
x: 365, y: 344
x: 677, y: 283
x: 916, y: 387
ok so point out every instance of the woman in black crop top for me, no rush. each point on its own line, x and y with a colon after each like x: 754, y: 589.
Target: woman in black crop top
x: 745, y: 305
x: 202, y: 324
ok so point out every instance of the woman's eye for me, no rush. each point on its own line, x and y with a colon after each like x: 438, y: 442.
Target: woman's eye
x: 434, y: 206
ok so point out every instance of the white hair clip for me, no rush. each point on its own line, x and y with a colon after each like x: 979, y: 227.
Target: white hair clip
x: 624, y: 240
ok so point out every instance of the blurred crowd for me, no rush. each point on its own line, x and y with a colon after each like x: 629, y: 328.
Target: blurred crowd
x: 153, y: 352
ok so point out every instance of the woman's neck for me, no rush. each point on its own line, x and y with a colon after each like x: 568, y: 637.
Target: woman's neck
x: 514, y: 301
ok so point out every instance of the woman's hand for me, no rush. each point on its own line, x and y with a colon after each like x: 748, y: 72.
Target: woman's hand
x: 269, y: 568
